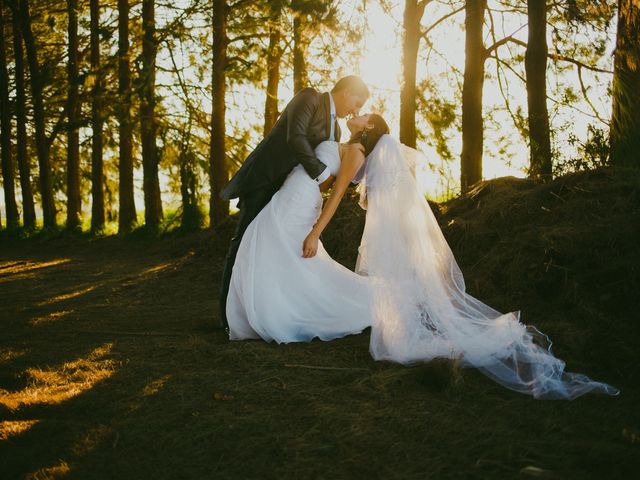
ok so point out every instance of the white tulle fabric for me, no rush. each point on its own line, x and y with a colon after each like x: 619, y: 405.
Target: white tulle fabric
x: 420, y: 309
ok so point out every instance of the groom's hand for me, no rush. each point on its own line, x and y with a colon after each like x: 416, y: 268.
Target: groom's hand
x: 310, y: 245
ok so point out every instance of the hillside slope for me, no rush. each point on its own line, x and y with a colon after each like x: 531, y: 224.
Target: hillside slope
x: 565, y: 253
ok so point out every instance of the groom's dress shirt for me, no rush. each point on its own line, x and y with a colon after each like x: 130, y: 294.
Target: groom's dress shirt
x: 327, y: 173
x: 332, y: 109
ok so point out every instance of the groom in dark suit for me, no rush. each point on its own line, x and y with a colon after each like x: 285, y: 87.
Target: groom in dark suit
x: 308, y: 119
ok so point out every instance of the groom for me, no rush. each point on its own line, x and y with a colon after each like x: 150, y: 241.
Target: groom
x: 308, y: 119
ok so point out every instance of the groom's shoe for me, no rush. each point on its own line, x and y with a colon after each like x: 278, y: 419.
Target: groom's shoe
x: 223, y: 325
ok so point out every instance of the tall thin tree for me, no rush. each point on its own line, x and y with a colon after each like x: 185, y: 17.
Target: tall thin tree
x: 625, y: 118
x: 300, y: 44
x: 73, y: 114
x: 536, y: 71
x: 22, y: 156
x: 42, y: 142
x: 218, y: 168
x: 413, y: 12
x: 127, y: 207
x: 274, y: 57
x: 188, y: 179
x: 97, y: 167
x: 148, y: 124
x: 5, y: 134
x: 472, y: 124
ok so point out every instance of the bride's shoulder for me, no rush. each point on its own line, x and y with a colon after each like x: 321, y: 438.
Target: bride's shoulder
x: 352, y: 148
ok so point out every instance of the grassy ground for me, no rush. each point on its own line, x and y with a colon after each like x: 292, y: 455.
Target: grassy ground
x: 110, y: 366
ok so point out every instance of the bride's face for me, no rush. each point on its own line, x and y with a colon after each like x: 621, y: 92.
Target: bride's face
x: 359, y: 123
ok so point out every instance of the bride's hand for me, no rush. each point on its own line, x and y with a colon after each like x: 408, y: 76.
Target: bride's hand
x: 310, y: 245
x: 327, y: 184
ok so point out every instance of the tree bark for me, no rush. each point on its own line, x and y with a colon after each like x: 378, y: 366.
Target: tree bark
x: 28, y: 208
x: 73, y: 114
x: 536, y: 70
x: 300, y: 74
x: 148, y: 125
x: 625, y: 118
x: 97, y: 167
x: 413, y: 12
x: 218, y: 169
x: 274, y: 56
x: 5, y: 135
x: 472, y: 124
x: 42, y: 144
x: 188, y: 181
x: 127, y: 208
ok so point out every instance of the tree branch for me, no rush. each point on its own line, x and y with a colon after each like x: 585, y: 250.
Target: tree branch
x: 439, y: 21
x: 557, y: 102
x: 183, y: 87
x: 586, y: 97
x: 552, y: 55
x: 247, y: 37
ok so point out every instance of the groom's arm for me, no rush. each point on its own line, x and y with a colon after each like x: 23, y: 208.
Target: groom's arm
x: 299, y: 115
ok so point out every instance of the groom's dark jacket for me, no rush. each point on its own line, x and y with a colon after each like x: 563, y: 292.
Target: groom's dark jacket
x: 304, y: 123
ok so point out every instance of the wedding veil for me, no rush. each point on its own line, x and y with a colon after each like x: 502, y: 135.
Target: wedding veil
x: 419, y: 305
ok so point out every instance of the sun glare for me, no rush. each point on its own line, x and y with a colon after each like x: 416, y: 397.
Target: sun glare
x: 67, y: 296
x: 10, y: 429
x: 19, y: 270
x: 56, y: 385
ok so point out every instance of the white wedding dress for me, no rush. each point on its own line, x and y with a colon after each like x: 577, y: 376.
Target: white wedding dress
x: 275, y: 293
x: 409, y: 289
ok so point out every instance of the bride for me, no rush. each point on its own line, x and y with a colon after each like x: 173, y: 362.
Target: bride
x: 408, y: 287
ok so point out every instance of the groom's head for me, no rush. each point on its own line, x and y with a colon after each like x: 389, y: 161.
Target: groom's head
x: 349, y: 95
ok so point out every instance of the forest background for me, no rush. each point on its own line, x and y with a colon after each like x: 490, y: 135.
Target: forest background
x: 117, y: 114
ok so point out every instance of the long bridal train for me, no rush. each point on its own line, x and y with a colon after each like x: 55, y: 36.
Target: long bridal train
x: 419, y: 306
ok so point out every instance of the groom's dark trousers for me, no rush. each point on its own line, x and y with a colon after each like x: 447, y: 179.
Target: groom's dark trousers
x: 250, y: 206
x: 303, y: 124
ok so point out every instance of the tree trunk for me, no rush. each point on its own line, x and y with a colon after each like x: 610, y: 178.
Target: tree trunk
x: 413, y: 12
x: 42, y: 144
x: 218, y: 169
x: 188, y: 181
x: 625, y: 119
x: 97, y: 168
x: 127, y: 213
x: 472, y: 125
x: 536, y: 70
x: 5, y: 135
x: 148, y: 126
x: 300, y: 75
x: 274, y: 56
x: 73, y: 113
x: 28, y: 208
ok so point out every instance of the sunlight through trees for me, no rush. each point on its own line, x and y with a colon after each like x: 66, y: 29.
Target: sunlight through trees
x: 118, y: 107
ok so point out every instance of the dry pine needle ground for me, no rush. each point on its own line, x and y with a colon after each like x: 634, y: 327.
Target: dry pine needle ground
x: 110, y: 366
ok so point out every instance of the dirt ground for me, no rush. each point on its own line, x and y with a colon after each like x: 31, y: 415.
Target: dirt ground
x: 111, y: 367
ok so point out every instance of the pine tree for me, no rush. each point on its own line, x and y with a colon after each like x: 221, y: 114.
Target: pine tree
x: 625, y: 119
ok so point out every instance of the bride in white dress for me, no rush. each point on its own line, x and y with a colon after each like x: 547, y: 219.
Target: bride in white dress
x: 278, y: 294
x: 408, y: 288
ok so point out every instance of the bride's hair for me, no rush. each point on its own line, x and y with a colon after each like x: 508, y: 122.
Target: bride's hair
x: 369, y: 137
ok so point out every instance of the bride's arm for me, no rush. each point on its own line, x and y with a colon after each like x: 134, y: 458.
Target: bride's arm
x: 351, y: 163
